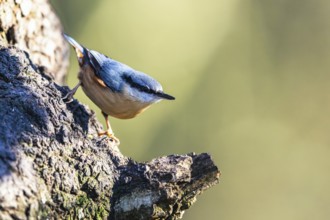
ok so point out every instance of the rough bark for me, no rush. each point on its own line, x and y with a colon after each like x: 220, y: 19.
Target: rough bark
x: 32, y: 25
x: 54, y: 166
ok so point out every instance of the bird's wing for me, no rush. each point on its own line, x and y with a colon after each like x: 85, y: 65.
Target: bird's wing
x: 115, y: 74
x: 106, y: 70
x: 96, y: 59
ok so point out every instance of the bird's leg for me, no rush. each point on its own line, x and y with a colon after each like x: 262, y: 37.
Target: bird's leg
x: 69, y: 96
x: 109, y: 131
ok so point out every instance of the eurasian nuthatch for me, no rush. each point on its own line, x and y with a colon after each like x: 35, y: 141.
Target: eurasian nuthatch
x: 117, y: 89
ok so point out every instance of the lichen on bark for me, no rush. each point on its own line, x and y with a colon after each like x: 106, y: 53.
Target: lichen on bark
x: 53, y: 165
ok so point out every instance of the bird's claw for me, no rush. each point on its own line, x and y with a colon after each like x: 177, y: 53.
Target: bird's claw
x: 68, y: 97
x: 110, y: 135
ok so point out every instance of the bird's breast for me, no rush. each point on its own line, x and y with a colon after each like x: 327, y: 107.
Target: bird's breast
x: 116, y: 104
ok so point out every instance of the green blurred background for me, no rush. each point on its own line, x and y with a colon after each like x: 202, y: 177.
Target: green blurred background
x: 252, y: 84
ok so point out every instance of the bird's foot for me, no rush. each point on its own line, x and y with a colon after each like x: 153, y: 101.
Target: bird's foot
x: 69, y: 97
x: 110, y: 135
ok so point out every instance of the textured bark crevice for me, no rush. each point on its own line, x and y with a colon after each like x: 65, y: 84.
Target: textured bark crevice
x: 32, y: 25
x: 53, y: 165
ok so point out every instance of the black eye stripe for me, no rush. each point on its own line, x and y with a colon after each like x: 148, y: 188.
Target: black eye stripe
x: 137, y: 86
x: 145, y: 89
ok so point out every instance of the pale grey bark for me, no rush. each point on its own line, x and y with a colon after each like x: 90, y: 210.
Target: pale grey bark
x: 54, y: 166
x: 32, y: 26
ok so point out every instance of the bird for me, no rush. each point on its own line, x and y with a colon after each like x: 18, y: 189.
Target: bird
x: 117, y: 89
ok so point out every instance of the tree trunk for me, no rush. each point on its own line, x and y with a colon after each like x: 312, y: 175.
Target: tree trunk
x: 32, y: 26
x: 52, y: 163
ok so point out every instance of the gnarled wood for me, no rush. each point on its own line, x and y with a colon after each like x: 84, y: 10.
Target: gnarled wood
x: 54, y: 166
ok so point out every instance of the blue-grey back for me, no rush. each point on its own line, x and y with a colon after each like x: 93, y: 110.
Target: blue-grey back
x: 116, y: 74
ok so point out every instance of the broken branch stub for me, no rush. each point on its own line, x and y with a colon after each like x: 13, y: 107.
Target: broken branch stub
x: 53, y: 164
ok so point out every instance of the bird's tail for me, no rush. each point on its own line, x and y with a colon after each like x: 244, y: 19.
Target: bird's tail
x: 78, y: 47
